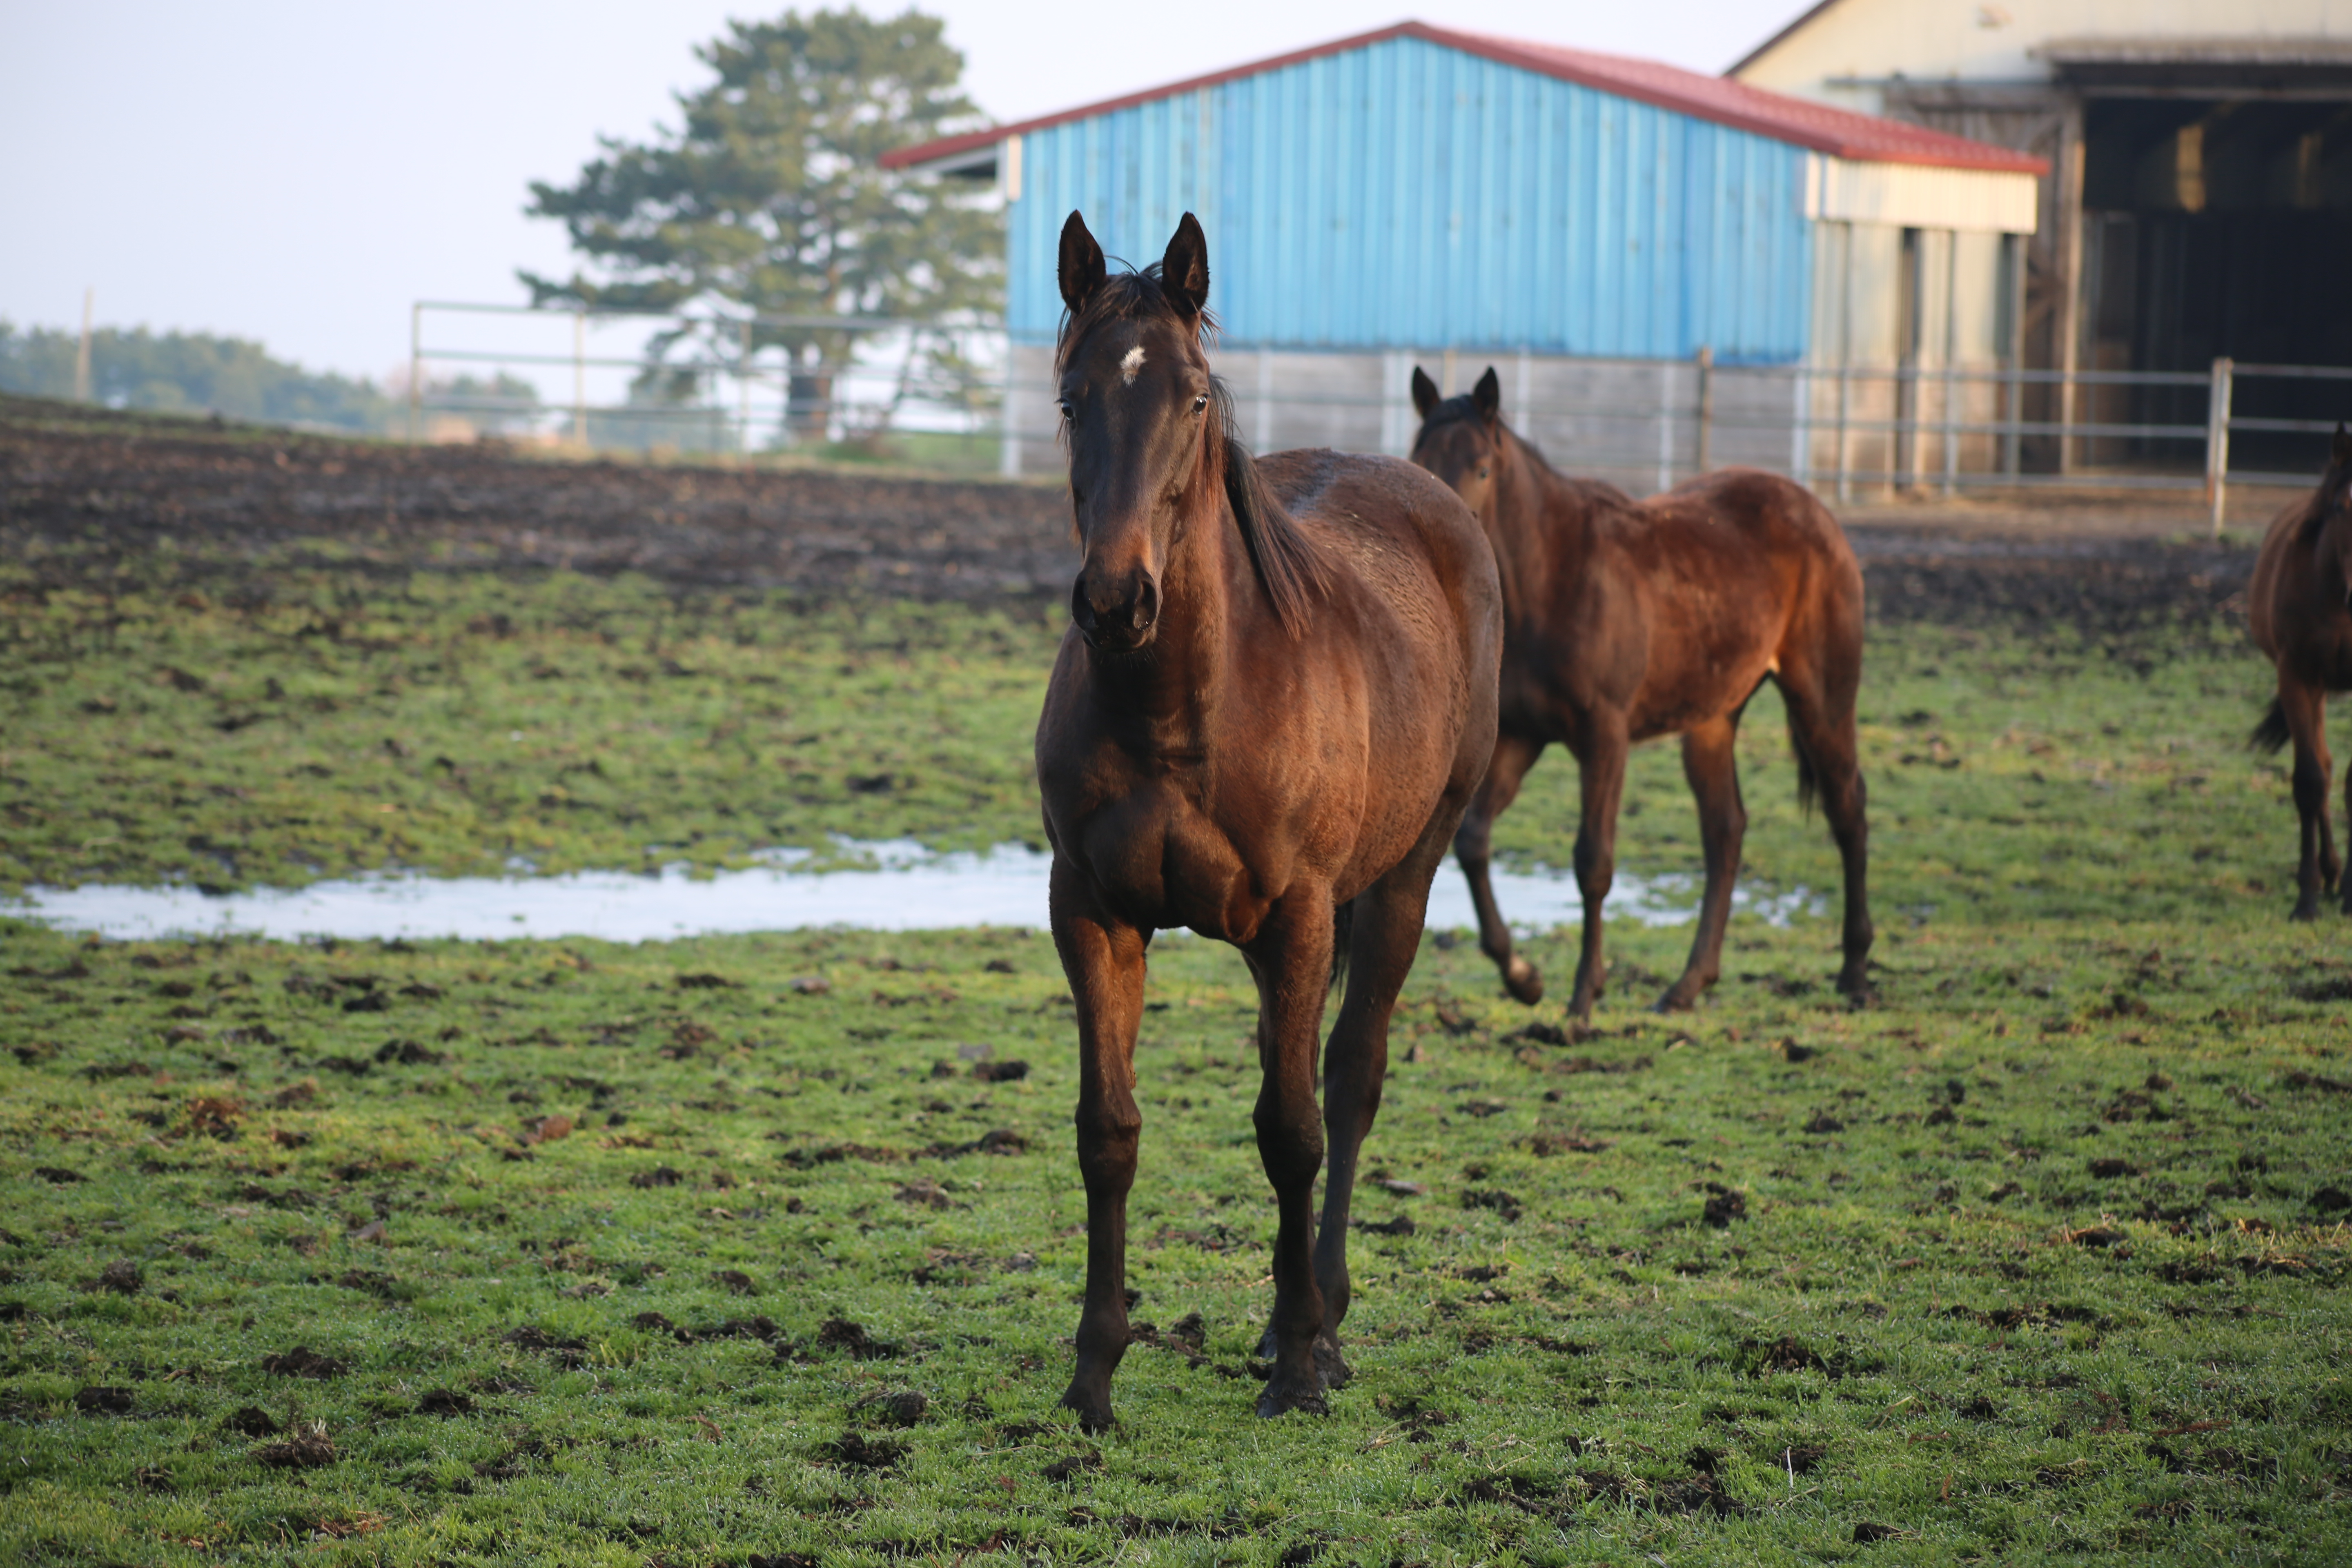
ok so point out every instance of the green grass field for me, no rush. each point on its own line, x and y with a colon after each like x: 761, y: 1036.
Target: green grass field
x: 757, y: 1249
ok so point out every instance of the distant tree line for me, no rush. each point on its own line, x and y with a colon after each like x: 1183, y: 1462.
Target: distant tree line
x: 197, y: 372
x: 188, y: 373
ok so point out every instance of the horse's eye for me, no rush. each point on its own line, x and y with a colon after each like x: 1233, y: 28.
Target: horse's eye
x: 1067, y: 412
x: 1482, y: 473
x: 1200, y: 403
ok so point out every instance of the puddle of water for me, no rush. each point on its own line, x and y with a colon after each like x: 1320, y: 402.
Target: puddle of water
x: 907, y: 888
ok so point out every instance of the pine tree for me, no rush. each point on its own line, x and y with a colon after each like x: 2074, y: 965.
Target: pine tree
x: 771, y: 199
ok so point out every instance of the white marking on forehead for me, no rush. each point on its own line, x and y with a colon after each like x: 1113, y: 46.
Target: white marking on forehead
x: 1130, y: 366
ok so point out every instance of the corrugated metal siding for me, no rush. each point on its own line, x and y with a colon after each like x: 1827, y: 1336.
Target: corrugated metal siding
x: 1407, y: 195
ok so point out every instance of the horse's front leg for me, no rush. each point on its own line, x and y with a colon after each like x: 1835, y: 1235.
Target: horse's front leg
x: 1385, y: 937
x: 1292, y: 959
x: 1600, y: 764
x: 1104, y: 958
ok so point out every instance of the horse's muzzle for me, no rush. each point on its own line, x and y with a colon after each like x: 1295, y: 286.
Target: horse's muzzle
x: 1116, y: 615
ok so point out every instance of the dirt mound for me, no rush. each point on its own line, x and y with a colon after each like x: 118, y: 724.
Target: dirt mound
x: 110, y: 488
x: 90, y: 497
x: 2102, y: 587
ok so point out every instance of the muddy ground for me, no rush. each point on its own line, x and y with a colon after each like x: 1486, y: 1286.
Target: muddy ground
x: 93, y: 494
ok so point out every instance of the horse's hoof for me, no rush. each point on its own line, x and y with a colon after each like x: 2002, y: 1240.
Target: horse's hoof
x: 1857, y: 991
x: 1284, y: 1395
x: 2307, y: 910
x: 1093, y: 1408
x: 1330, y: 1363
x: 1522, y: 980
x: 1676, y: 1000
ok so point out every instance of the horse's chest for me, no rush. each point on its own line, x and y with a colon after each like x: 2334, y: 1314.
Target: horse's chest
x: 1161, y: 862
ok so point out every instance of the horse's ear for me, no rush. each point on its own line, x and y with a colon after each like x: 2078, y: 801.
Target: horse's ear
x: 1424, y: 391
x: 2339, y: 450
x: 1184, y: 270
x: 1488, y: 395
x: 1082, y: 264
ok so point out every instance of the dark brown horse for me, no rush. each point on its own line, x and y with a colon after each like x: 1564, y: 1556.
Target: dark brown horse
x: 2300, y: 607
x: 1275, y: 700
x: 1631, y: 619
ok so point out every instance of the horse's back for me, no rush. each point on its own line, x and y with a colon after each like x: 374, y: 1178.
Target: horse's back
x: 1760, y: 510
x: 1353, y: 492
x: 1394, y: 526
x: 1734, y: 534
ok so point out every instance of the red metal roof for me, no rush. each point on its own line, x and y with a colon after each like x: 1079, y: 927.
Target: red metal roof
x: 1837, y: 131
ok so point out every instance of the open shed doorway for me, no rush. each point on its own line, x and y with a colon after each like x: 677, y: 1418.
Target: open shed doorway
x: 2217, y: 226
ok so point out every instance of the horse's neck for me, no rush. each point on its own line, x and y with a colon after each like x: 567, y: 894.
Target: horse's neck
x: 1542, y: 523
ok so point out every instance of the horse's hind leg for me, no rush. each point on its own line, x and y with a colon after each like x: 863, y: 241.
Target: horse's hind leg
x: 1711, y: 766
x: 1292, y: 961
x: 1472, y: 846
x: 2306, y: 723
x: 1602, y: 765
x: 1821, y: 726
x: 1385, y: 939
x: 1104, y: 960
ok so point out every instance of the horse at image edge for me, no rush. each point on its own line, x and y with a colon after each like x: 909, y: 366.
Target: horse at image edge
x: 2299, y: 609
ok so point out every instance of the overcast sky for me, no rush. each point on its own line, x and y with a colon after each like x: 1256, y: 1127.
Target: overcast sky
x: 300, y: 173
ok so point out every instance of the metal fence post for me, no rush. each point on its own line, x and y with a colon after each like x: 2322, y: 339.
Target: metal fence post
x: 1951, y: 433
x: 2217, y: 440
x: 82, y: 355
x: 1844, y: 434
x: 1801, y: 424
x: 1705, y: 405
x: 416, y: 368
x: 579, y: 378
x: 1666, y: 425
x: 1264, y: 435
x: 743, y: 392
x: 1008, y: 457
x: 2012, y: 441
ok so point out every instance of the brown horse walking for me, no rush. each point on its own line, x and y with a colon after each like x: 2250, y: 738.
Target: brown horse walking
x: 2299, y: 606
x: 1274, y: 702
x: 1633, y: 619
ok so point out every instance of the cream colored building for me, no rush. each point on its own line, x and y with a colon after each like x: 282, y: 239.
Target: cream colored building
x: 2199, y: 204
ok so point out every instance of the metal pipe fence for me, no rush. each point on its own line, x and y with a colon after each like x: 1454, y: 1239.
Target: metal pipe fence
x: 709, y: 383
x: 727, y: 384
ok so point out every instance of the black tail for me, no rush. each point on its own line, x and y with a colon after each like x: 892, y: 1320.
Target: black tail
x: 1343, y: 930
x: 1808, y: 780
x: 2272, y: 732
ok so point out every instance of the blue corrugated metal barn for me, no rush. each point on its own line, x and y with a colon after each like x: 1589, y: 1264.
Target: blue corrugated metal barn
x: 1407, y: 192
x: 1419, y: 186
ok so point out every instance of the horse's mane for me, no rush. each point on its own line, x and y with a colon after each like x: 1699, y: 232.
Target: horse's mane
x: 1289, y: 564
